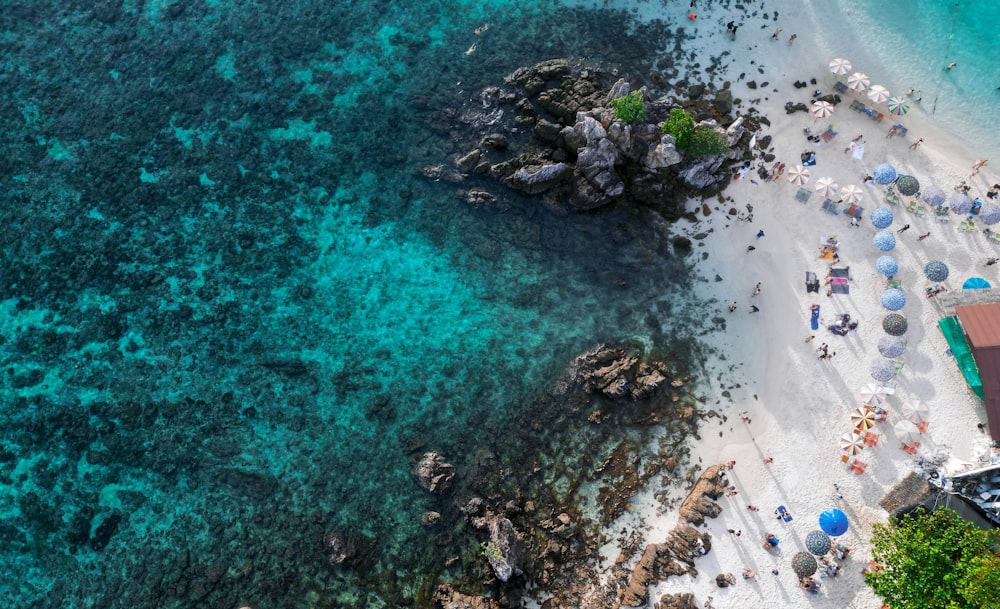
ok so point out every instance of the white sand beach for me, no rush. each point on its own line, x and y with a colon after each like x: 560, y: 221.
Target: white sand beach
x: 798, y: 405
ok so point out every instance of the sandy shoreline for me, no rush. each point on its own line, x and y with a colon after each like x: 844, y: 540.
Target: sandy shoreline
x: 799, y: 405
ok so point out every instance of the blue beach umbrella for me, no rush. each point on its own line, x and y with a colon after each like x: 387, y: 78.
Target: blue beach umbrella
x: 893, y: 299
x: 881, y: 217
x: 990, y: 213
x: 887, y: 265
x: 936, y: 270
x: 933, y: 195
x: 882, y: 370
x: 884, y: 240
x: 975, y: 283
x: 960, y: 203
x: 884, y: 173
x: 833, y: 522
x: 891, y: 346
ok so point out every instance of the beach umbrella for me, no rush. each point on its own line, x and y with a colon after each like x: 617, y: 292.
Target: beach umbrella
x: 852, y: 194
x: 936, y: 270
x: 884, y: 240
x: 863, y: 419
x: 908, y: 185
x: 934, y: 195
x: 887, y: 265
x: 906, y: 431
x: 884, y: 173
x: 898, y: 106
x: 960, y: 203
x: 915, y: 411
x: 872, y: 394
x: 852, y: 444
x: 804, y: 564
x: 882, y: 370
x: 894, y: 324
x: 821, y: 109
x: 833, y: 522
x: 798, y: 175
x: 990, y: 213
x: 878, y: 94
x: 891, y: 346
x: 819, y: 542
x: 858, y: 81
x: 975, y: 283
x: 882, y: 217
x: 893, y: 299
x: 840, y: 66
x: 827, y: 187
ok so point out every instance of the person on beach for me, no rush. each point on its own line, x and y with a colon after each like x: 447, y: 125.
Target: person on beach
x: 809, y: 338
x: 732, y: 306
x: 791, y: 39
x: 905, y: 228
x: 952, y: 65
x: 917, y: 143
x: 774, y: 36
x: 750, y: 248
x: 924, y: 236
x: 977, y: 166
x: 754, y: 309
x: 760, y: 233
x: 991, y: 261
x: 756, y: 289
x: 768, y: 460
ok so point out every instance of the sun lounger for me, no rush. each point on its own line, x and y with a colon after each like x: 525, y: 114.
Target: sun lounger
x: 854, y: 211
x: 840, y: 87
x: 803, y: 195
x: 784, y: 514
x: 871, y: 438
x: 856, y: 105
x: 893, y: 283
x: 858, y: 467
x: 826, y: 204
x: 833, y: 207
x: 911, y: 448
x: 967, y: 225
x: 892, y: 198
x: 942, y: 213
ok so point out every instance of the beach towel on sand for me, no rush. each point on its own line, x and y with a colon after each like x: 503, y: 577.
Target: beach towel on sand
x: 840, y: 281
x: 814, y: 322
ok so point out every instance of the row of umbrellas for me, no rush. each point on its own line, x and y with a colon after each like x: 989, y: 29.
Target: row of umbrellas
x: 859, y: 81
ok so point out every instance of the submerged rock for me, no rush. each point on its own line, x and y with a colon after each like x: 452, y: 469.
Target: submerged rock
x: 433, y: 473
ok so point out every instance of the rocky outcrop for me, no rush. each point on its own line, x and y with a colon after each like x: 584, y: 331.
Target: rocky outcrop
x: 535, y: 179
x: 433, y: 473
x: 614, y: 372
x: 682, y: 600
x: 506, y: 550
x: 450, y: 598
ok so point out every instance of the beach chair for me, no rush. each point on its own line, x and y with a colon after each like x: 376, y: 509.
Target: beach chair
x: 829, y: 134
x: 783, y: 513
x: 893, y: 283
x: 967, y: 225
x: 803, y: 195
x: 827, y: 203
x: 833, y: 208
x: 922, y: 426
x: 912, y: 206
x: 897, y: 366
x: 911, y: 448
x: 879, y: 117
x: 854, y: 211
x: 892, y: 198
x: 942, y: 213
x: 858, y: 467
x: 871, y: 438
x: 840, y: 87
x: 920, y: 210
x: 856, y: 105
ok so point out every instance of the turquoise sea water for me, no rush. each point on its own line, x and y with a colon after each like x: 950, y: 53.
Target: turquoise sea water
x: 233, y: 311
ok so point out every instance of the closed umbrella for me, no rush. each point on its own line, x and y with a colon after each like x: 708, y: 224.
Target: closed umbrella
x: 884, y: 240
x: 858, y: 81
x: 882, y: 370
x: 915, y: 411
x: 833, y: 522
x: 908, y: 185
x: 804, y: 564
x: 862, y: 419
x: 891, y: 346
x: 960, y: 203
x: 818, y: 542
x: 884, y: 173
x: 878, y: 94
x: 906, y: 431
x: 852, y: 443
x: 990, y: 213
x: 936, y: 270
x: 827, y: 187
x: 893, y: 299
x: 898, y: 105
x: 934, y: 195
x: 798, y: 175
x: 882, y: 217
x: 821, y: 109
x: 851, y: 194
x: 975, y: 283
x: 894, y: 324
x: 887, y: 265
x: 840, y: 66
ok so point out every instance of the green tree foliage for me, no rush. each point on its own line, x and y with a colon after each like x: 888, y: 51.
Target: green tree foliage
x: 706, y: 141
x: 934, y: 560
x: 679, y: 126
x: 628, y: 108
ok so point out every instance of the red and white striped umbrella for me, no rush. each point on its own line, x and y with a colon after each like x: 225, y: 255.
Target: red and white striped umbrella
x: 878, y: 94
x: 821, y: 109
x: 858, y: 81
x: 852, y: 193
x: 840, y: 66
x: 827, y: 187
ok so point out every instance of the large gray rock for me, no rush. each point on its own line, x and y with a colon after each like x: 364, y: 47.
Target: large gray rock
x: 589, y: 130
x: 433, y: 473
x: 597, y: 163
x: 535, y: 179
x: 703, y: 173
x: 619, y: 89
x: 506, y: 551
x: 664, y: 154
x: 734, y: 132
x: 620, y: 135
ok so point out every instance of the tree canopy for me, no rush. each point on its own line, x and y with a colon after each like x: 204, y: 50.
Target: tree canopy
x: 628, y: 108
x: 934, y: 560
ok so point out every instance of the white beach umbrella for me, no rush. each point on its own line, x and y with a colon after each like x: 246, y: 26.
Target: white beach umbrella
x: 840, y: 66
x: 906, y: 431
x: 858, y: 81
x: 852, y: 193
x: 827, y: 187
x: 915, y: 411
x: 878, y: 94
x: 872, y: 394
x: 798, y: 175
x: 821, y: 109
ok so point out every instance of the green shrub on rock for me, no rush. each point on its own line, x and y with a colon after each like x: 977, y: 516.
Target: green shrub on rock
x: 628, y: 108
x: 679, y: 126
x: 706, y: 141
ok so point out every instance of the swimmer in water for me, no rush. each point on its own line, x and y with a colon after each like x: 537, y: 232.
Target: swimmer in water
x: 481, y: 29
x: 471, y: 49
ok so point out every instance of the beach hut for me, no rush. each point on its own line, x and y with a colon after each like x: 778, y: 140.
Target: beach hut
x: 979, y: 326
